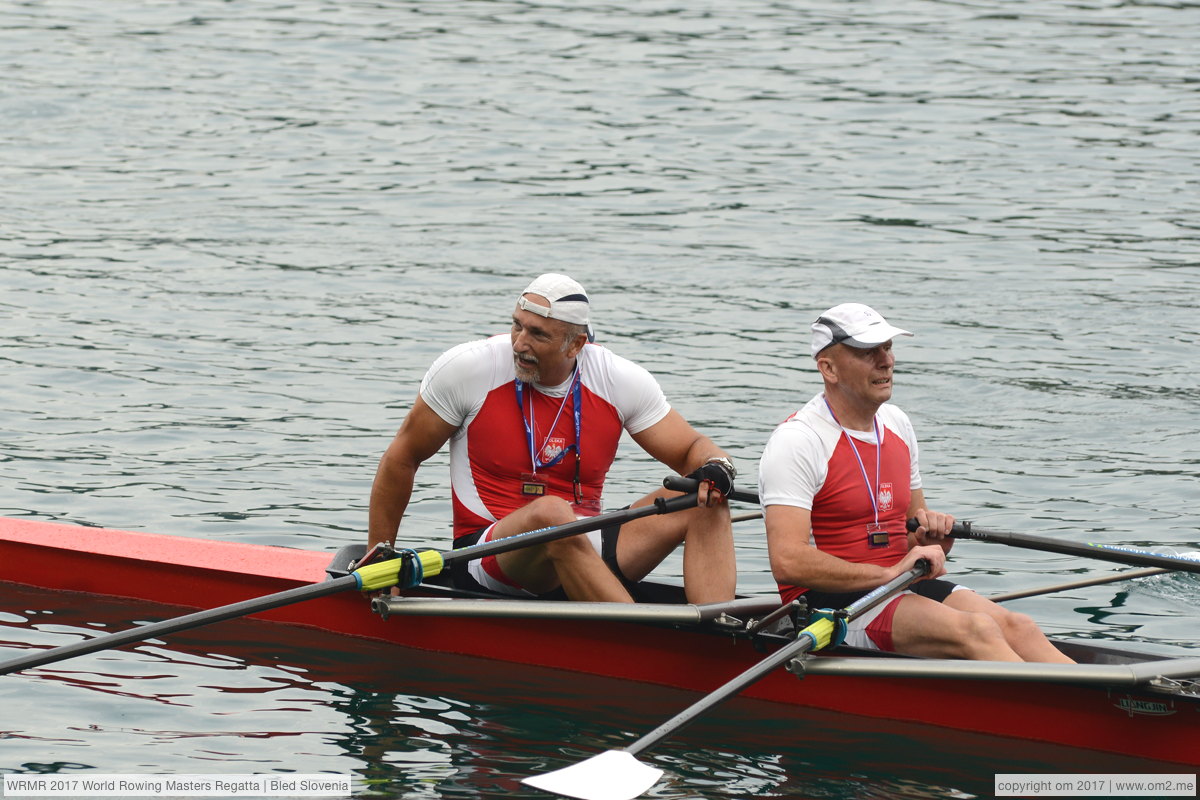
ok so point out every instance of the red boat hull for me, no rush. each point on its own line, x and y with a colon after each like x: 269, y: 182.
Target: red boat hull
x: 199, y: 573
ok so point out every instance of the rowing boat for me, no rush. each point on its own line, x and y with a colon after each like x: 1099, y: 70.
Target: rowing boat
x: 1115, y: 700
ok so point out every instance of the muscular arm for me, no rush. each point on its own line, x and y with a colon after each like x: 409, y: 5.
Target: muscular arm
x: 421, y: 435
x: 678, y: 445
x: 795, y: 561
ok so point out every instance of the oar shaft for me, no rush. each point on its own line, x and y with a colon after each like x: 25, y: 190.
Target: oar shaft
x: 797, y: 647
x: 176, y: 624
x: 584, y: 525
x: 1104, y: 552
x: 1079, y: 584
x: 1118, y: 554
x: 805, y: 641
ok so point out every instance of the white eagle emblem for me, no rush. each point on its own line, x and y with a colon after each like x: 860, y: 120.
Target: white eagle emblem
x: 886, y: 497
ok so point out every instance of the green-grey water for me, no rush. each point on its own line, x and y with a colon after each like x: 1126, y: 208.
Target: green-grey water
x: 235, y: 234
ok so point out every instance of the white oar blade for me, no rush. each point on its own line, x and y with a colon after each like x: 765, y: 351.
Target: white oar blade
x: 612, y: 775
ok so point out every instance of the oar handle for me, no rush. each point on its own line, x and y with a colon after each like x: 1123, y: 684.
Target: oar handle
x: 678, y: 483
x: 960, y: 530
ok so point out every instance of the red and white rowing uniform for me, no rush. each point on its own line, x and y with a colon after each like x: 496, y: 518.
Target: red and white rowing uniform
x: 473, y: 387
x: 810, y: 463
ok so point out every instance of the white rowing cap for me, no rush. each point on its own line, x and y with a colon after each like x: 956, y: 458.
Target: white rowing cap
x: 853, y: 324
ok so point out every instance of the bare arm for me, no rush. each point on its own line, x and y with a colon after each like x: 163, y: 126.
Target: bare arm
x: 797, y: 562
x: 421, y: 435
x: 681, y: 447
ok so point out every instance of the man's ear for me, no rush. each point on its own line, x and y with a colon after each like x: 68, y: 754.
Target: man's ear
x: 577, y: 345
x: 827, y: 368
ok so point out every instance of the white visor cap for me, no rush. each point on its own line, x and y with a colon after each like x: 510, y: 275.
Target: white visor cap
x: 853, y: 324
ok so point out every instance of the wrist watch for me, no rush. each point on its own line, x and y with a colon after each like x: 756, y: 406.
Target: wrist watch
x: 724, y: 462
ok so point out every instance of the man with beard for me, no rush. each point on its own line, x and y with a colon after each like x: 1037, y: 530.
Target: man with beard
x: 533, y: 419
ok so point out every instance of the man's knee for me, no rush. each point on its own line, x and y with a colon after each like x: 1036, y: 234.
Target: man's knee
x: 707, y: 518
x: 977, y: 635
x: 1019, y: 626
x: 569, y: 547
x: 548, y: 511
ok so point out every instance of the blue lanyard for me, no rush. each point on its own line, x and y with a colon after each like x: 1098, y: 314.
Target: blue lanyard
x: 577, y: 403
x: 878, y: 448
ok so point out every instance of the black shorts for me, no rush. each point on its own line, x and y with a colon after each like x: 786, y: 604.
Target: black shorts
x: 935, y: 589
x: 608, y: 552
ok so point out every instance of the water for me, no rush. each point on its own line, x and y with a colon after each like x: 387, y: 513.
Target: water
x: 237, y: 233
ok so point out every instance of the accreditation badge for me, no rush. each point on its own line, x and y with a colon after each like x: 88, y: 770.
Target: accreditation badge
x: 532, y: 485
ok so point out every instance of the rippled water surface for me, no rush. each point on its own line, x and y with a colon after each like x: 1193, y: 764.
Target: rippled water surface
x: 235, y: 234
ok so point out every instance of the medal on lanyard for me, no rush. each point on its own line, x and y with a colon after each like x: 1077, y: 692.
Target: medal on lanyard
x: 532, y: 484
x: 877, y: 534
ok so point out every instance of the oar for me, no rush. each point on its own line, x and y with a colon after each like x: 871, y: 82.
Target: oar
x: 371, y: 577
x: 679, y: 483
x: 1062, y: 587
x: 1105, y: 552
x: 618, y: 775
x: 965, y: 530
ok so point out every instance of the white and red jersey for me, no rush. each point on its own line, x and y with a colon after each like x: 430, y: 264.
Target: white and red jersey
x: 809, y: 462
x: 473, y: 387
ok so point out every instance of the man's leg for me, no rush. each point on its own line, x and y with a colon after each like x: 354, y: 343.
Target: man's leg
x: 709, y: 564
x: 1019, y: 630
x: 571, y: 562
x: 924, y: 627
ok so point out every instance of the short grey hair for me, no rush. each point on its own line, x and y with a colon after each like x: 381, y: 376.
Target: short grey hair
x: 571, y: 333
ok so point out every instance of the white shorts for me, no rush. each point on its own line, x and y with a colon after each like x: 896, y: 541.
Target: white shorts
x: 873, y: 630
